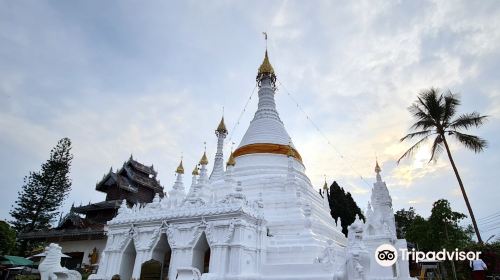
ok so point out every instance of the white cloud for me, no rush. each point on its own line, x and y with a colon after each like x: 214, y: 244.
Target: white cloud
x: 153, y: 85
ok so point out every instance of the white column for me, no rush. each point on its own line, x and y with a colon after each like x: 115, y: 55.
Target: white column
x: 218, y: 259
x: 181, y: 257
x: 141, y: 257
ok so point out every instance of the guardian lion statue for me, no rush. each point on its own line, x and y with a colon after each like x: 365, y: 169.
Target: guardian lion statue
x: 50, y: 267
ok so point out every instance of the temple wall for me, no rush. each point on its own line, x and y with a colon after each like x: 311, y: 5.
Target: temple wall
x: 85, y: 246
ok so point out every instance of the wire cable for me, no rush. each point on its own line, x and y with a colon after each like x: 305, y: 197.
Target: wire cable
x: 339, y: 154
x: 231, y: 133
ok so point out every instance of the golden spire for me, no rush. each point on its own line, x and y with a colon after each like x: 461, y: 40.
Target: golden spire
x: 222, y: 127
x: 231, y: 161
x: 180, y: 168
x: 266, y: 70
x: 377, y: 167
x: 195, y: 171
x: 325, y: 186
x: 204, y: 159
x: 266, y: 67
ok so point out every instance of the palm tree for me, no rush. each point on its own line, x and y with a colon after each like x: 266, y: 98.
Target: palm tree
x: 433, y: 111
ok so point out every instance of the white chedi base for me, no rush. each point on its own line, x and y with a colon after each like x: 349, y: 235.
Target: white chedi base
x: 260, y: 219
x: 287, y: 234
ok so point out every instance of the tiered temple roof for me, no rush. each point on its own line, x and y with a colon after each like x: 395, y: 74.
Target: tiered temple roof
x: 133, y: 182
x: 131, y: 177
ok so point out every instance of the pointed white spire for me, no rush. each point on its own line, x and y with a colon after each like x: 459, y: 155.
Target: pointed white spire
x: 123, y: 210
x: 203, y: 179
x: 378, y: 170
x: 380, y: 215
x: 266, y: 126
x: 194, y: 181
x: 178, y: 192
x: 218, y: 169
x: 369, y: 210
x: 228, y: 175
x: 339, y: 224
x: 326, y: 203
x: 156, y: 199
x: 179, y: 184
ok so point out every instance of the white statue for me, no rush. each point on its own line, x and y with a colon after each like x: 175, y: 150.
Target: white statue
x: 50, y: 267
x: 358, y: 259
x: 328, y: 254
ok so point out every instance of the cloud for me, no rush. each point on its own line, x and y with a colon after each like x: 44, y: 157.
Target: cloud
x: 123, y: 80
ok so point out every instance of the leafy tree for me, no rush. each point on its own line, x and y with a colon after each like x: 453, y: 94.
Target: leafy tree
x: 404, y: 219
x: 44, y: 191
x: 441, y: 230
x: 7, y: 238
x: 434, y: 112
x: 342, y: 206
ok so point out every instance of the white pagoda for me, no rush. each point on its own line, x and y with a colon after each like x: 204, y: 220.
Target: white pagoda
x: 257, y: 218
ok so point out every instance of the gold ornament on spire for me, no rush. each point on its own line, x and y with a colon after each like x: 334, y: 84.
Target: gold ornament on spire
x: 222, y: 127
x: 325, y: 186
x: 180, y: 168
x: 377, y: 167
x: 204, y: 159
x: 195, y: 171
x: 266, y: 67
x: 231, y: 161
x: 266, y: 70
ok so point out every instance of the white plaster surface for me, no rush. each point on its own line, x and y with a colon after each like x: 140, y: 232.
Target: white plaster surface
x: 262, y: 219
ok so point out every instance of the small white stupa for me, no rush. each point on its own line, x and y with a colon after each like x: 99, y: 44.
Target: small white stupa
x: 380, y: 228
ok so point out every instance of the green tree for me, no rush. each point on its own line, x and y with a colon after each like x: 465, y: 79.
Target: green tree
x: 404, y: 219
x: 441, y: 230
x: 44, y: 191
x: 7, y: 238
x: 434, y: 112
x: 342, y: 206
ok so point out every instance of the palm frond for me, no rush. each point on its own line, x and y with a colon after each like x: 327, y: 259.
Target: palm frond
x: 413, y: 148
x: 471, y: 142
x: 416, y: 134
x: 450, y: 106
x: 437, y: 148
x: 418, y: 112
x: 466, y: 121
x: 423, y: 124
x: 432, y: 101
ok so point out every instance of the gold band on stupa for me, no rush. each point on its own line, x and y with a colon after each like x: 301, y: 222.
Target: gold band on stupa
x: 267, y: 148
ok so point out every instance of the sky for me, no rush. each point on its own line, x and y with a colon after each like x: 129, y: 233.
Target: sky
x: 151, y: 78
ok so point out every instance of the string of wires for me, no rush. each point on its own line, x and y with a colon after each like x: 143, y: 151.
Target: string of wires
x: 316, y: 127
x: 231, y: 132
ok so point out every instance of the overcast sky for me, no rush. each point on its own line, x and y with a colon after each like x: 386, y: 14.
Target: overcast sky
x: 151, y: 77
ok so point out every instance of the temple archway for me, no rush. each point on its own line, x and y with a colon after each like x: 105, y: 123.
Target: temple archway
x: 201, y: 254
x: 151, y: 270
x: 128, y: 261
x: 162, y: 253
